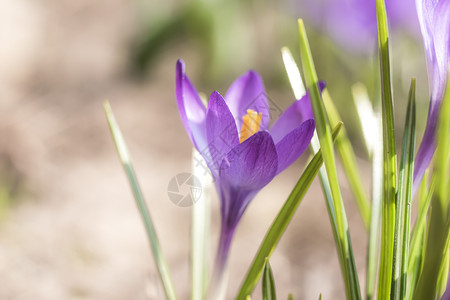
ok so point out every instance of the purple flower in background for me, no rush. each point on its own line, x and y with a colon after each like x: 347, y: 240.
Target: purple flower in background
x: 352, y: 23
x: 434, y: 19
x: 233, y: 136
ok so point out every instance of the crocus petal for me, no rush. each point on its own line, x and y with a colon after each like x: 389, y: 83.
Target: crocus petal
x: 293, y: 116
x: 247, y: 92
x: 192, y: 111
x: 426, y: 149
x: 425, y: 12
x: 221, y: 132
x: 434, y: 19
x: 294, y: 144
x: 244, y: 171
x: 442, y: 37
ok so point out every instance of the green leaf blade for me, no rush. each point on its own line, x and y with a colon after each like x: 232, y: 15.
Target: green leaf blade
x: 348, y: 159
x: 125, y: 159
x: 371, y: 124
x: 340, y: 227
x: 389, y: 157
x: 418, y: 239
x: 268, y: 284
x: 402, y: 230
x: 280, y: 223
x: 439, y: 223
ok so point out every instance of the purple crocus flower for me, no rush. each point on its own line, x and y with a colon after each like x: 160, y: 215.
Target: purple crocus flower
x: 234, y: 137
x: 434, y: 19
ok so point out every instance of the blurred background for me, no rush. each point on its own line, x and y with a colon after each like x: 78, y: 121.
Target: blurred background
x: 69, y: 228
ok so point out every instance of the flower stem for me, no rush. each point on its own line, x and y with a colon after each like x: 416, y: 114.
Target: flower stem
x: 219, y: 280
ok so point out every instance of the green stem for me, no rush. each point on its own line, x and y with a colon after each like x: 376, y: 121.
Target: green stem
x: 389, y: 158
x: 402, y: 232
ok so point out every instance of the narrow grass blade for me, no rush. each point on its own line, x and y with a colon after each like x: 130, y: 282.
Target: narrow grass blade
x: 125, y: 159
x: 268, y: 284
x: 428, y: 285
x: 299, y: 91
x: 418, y: 239
x: 441, y: 168
x: 439, y: 228
x: 293, y: 73
x: 348, y: 158
x: 371, y: 124
x: 375, y: 218
x: 403, y: 218
x: 368, y: 118
x: 280, y: 223
x: 200, y: 223
x: 389, y: 157
x: 443, y: 275
x: 341, y: 233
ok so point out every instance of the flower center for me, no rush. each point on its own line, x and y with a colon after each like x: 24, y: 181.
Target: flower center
x: 252, y: 122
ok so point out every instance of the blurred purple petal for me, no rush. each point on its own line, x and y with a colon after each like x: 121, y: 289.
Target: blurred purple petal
x: 221, y: 131
x: 294, y: 144
x: 247, y: 92
x: 352, y: 23
x: 434, y: 19
x: 191, y: 109
x: 442, y: 41
x: 426, y: 149
x: 244, y: 171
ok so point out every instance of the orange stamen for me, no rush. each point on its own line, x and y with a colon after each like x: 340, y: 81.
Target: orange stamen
x: 252, y: 122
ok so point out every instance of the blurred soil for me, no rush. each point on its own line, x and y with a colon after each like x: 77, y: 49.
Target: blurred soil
x: 72, y: 230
